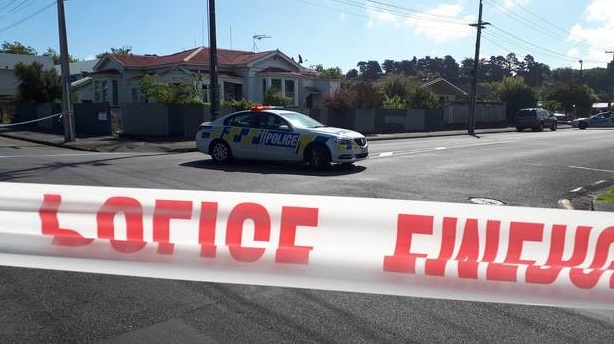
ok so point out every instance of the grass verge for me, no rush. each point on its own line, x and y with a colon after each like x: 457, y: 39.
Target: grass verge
x: 607, y: 197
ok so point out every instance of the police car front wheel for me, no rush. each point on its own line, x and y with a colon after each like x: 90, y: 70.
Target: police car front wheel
x: 220, y: 151
x: 317, y: 156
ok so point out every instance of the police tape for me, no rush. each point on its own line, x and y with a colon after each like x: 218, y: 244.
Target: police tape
x: 408, y: 248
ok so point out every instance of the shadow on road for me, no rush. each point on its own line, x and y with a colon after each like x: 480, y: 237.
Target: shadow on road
x: 260, y: 167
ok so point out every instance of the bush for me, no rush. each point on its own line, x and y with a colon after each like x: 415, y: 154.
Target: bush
x: 422, y: 98
x: 340, y: 99
x: 367, y: 96
x: 274, y: 97
x: 394, y: 102
x: 237, y: 105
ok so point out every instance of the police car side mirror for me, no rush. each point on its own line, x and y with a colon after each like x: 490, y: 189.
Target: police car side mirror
x: 284, y: 127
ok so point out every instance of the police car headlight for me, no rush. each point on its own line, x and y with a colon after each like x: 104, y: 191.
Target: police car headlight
x: 342, y: 141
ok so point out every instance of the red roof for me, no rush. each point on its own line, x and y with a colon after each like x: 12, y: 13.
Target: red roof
x: 199, y: 56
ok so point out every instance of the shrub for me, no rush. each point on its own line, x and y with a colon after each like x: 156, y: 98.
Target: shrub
x: 237, y: 104
x: 340, y: 99
x: 394, y: 102
x: 274, y: 97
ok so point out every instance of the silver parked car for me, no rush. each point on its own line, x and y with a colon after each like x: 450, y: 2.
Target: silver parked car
x: 535, y: 118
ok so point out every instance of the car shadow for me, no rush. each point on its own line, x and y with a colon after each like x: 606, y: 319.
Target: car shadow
x: 268, y: 167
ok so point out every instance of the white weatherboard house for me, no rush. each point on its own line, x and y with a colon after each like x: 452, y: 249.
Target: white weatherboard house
x: 116, y: 78
x: 8, y: 80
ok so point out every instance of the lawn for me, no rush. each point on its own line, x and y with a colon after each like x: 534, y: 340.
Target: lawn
x: 607, y: 197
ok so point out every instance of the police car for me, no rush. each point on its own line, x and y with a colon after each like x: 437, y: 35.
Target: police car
x: 270, y: 133
x: 603, y: 119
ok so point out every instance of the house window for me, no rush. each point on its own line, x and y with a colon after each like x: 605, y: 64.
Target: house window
x: 115, y: 91
x: 97, y: 91
x: 276, y: 83
x: 105, y: 91
x: 289, y: 89
x: 135, y: 95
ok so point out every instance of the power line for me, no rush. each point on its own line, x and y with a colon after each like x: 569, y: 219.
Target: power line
x: 28, y: 17
x: 539, y: 28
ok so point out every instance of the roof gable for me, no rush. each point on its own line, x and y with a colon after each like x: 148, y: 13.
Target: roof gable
x: 442, y: 86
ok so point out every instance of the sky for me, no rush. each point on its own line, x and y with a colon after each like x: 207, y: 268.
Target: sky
x: 333, y: 33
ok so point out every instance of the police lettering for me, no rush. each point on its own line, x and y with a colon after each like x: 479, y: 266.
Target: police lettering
x: 280, y: 139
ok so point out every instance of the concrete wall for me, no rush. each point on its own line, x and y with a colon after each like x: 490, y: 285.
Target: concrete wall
x: 457, y: 113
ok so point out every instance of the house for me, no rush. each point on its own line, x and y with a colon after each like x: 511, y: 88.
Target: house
x: 116, y: 78
x: 8, y: 80
x: 78, y: 70
x: 445, y: 90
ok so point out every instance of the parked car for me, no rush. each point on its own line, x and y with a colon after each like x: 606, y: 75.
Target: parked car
x: 535, y: 118
x: 269, y: 133
x: 602, y: 119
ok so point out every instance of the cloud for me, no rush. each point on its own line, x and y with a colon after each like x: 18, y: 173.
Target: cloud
x: 509, y: 4
x: 441, y: 24
x: 378, y: 15
x: 596, y: 33
x: 601, y: 11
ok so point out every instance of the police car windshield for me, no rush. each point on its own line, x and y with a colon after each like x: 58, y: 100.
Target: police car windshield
x: 300, y: 120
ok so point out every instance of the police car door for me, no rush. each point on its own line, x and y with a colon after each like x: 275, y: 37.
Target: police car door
x: 278, y: 138
x: 241, y: 133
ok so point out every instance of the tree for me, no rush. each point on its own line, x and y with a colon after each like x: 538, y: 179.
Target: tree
x: 36, y: 84
x: 389, y: 67
x: 56, y: 57
x: 329, y: 73
x: 370, y: 70
x: 118, y: 51
x: 516, y: 94
x: 574, y: 97
x: 351, y: 74
x: 16, y: 48
x: 396, y: 85
x: 449, y: 69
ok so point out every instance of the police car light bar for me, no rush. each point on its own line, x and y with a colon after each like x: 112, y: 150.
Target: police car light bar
x: 266, y: 107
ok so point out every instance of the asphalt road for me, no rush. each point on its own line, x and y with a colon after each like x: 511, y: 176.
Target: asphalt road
x: 526, y: 169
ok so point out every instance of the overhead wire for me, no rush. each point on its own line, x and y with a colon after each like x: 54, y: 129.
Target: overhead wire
x: 539, y: 28
x: 28, y: 17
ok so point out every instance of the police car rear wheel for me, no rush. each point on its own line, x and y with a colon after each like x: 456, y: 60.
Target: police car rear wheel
x: 317, y: 156
x: 220, y: 151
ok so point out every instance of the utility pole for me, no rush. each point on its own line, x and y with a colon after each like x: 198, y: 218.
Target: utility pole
x: 213, y: 83
x: 67, y: 114
x: 476, y: 62
x: 611, y: 70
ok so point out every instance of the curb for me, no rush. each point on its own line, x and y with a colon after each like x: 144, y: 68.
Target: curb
x: 581, y: 198
x: 47, y: 143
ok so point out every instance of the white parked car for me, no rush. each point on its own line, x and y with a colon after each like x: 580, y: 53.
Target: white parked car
x: 270, y: 133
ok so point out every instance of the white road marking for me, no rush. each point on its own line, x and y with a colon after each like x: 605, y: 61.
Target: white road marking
x: 65, y: 155
x: 576, y: 189
x: 591, y: 169
x: 440, y: 148
x: 381, y: 155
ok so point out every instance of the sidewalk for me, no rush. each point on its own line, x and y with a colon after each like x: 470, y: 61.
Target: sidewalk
x: 169, y: 145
